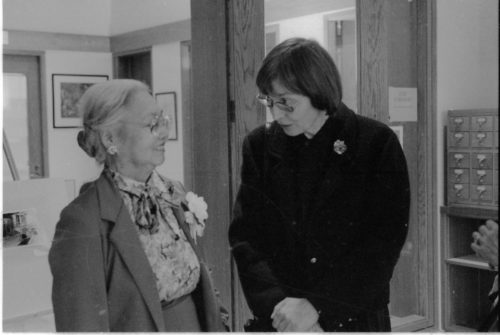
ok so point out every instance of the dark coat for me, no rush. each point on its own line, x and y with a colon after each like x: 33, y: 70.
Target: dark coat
x: 340, y: 249
x: 102, y: 277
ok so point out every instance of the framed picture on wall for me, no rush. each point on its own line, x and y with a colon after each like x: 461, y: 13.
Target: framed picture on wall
x: 67, y: 89
x: 168, y: 103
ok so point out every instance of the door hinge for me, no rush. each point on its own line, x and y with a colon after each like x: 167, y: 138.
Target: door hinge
x: 231, y: 110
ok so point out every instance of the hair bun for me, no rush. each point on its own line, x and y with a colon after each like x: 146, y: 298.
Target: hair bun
x: 85, y: 142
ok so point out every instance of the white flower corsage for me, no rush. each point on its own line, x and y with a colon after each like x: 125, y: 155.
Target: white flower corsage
x: 196, y: 214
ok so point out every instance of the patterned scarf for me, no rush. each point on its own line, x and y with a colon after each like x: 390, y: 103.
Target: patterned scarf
x: 147, y: 200
x: 151, y: 206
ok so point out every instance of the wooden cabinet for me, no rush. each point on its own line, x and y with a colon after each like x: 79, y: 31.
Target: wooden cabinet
x: 472, y: 198
x: 472, y: 158
x: 466, y: 279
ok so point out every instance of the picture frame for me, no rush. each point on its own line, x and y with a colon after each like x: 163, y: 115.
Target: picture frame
x: 67, y: 89
x: 168, y: 102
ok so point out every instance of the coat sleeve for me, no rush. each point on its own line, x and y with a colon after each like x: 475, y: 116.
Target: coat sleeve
x: 77, y: 266
x: 261, y: 287
x: 359, y: 281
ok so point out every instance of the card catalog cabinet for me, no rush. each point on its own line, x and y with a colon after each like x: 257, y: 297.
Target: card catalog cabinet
x: 472, y: 198
x: 472, y: 158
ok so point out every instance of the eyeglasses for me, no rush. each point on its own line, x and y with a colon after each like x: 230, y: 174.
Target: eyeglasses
x: 267, y: 101
x: 160, y: 120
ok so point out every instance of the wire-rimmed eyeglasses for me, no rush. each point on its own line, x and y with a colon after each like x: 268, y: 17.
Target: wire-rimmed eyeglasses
x: 160, y: 120
x: 267, y: 101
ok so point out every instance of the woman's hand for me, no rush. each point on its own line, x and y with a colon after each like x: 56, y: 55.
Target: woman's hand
x: 294, y: 315
x: 316, y: 328
x: 486, y: 242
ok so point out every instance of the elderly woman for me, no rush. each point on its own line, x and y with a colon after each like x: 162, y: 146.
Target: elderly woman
x: 124, y: 256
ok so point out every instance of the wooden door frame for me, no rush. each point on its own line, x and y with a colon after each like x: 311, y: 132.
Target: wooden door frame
x: 227, y: 49
x: 42, y: 100
x: 187, y: 113
x: 373, y: 102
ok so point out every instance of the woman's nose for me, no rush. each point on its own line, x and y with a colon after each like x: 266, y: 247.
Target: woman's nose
x: 276, y: 113
x: 164, y: 132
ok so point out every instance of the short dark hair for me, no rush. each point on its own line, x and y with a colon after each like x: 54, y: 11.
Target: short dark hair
x: 303, y: 67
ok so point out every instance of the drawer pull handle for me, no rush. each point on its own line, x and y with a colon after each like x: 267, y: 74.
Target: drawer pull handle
x: 458, y: 190
x: 481, y: 159
x: 481, y: 175
x: 458, y: 137
x: 458, y: 122
x: 458, y: 174
x: 458, y: 158
x: 481, y: 190
x: 481, y: 121
x: 480, y: 137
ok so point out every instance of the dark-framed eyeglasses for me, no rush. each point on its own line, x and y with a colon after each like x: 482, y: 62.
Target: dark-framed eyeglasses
x: 160, y: 120
x: 267, y: 101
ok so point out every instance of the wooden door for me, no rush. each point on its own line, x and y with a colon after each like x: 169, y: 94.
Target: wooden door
x: 394, y: 51
x: 395, y: 57
x: 187, y: 114
x: 227, y: 43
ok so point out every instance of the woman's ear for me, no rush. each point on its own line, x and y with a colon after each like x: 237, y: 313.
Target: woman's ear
x: 108, y: 139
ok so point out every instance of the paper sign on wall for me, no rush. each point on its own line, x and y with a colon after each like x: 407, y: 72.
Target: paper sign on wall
x: 402, y: 104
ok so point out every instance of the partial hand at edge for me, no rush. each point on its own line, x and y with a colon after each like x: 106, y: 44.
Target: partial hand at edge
x: 486, y: 242
x: 294, y: 315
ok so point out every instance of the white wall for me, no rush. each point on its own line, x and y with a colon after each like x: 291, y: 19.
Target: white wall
x: 166, y: 60
x: 467, y: 62
x: 130, y: 15
x: 66, y: 159
x: 312, y: 26
x: 467, y: 69
x: 92, y: 17
x: 86, y: 17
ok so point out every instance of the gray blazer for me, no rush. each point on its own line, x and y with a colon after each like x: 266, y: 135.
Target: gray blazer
x: 102, y: 280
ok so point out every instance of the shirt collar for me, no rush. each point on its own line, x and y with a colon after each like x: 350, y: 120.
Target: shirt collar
x: 135, y: 187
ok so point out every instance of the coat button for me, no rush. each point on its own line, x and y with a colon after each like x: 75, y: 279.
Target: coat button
x: 294, y: 223
x: 313, y: 260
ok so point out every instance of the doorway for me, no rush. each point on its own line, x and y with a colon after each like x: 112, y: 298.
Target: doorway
x: 24, y: 134
x: 135, y: 65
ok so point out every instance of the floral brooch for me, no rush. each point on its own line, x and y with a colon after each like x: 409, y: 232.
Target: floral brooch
x: 196, y: 214
x: 339, y: 147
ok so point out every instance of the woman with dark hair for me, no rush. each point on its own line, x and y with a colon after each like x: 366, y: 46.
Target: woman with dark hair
x: 323, y: 206
x: 124, y: 255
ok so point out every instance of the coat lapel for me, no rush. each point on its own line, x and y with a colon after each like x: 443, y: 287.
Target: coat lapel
x: 344, y: 130
x: 211, y: 308
x: 124, y: 237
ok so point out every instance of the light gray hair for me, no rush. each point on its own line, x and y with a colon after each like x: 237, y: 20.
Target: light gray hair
x: 100, y: 108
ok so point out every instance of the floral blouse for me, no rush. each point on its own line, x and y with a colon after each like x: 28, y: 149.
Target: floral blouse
x: 171, y: 256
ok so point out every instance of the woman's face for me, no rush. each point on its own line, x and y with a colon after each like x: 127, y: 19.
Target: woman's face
x: 140, y: 149
x: 301, y: 118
